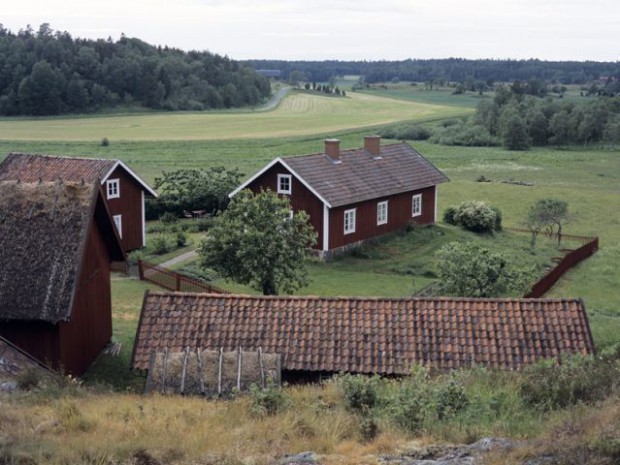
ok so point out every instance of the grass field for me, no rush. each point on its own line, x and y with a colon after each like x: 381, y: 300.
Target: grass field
x: 588, y: 179
x: 298, y: 114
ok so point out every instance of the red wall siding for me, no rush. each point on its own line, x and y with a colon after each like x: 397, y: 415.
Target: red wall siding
x: 90, y: 328
x: 129, y: 205
x: 37, y: 338
x: 399, y: 215
x: 73, y: 345
x: 301, y: 198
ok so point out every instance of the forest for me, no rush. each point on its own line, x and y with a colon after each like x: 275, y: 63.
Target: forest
x: 46, y: 72
x: 448, y: 70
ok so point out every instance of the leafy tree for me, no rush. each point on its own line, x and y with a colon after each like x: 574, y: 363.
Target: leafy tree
x: 512, y: 129
x: 469, y: 270
x: 41, y: 92
x: 256, y: 241
x: 194, y: 189
x: 547, y: 213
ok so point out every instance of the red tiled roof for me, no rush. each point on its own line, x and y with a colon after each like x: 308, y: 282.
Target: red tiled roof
x: 27, y: 167
x: 360, y: 176
x: 366, y: 335
x: 32, y: 168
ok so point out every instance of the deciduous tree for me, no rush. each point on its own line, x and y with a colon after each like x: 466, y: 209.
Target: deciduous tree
x: 469, y: 270
x: 258, y: 241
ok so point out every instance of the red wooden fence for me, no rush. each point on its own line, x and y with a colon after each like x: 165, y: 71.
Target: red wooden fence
x: 174, y: 281
x: 572, y: 258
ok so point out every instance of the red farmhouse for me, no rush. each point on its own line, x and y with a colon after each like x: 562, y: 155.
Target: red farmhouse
x: 124, y: 191
x: 56, y: 243
x: 355, y: 195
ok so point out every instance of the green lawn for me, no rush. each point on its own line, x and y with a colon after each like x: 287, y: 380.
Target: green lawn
x: 587, y: 178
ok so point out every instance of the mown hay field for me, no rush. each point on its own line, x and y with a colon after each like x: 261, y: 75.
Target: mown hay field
x: 298, y: 114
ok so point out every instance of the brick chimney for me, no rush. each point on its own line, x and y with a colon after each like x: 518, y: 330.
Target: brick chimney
x: 332, y: 149
x: 373, y: 145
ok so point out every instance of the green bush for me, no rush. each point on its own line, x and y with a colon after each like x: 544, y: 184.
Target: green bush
x: 451, y: 399
x: 181, y: 239
x: 267, y: 401
x: 359, y: 392
x: 168, y: 218
x: 550, y: 384
x: 406, y: 132
x: 407, y: 409
x: 162, y: 243
x: 477, y: 217
x: 448, y: 215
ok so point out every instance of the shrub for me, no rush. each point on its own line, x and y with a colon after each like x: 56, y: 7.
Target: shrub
x: 267, y: 401
x: 406, y: 131
x: 451, y: 399
x: 407, y: 408
x: 105, y: 142
x: 168, y: 218
x: 181, y: 238
x: 448, y: 215
x: 359, y: 392
x: 550, y: 384
x: 162, y: 244
x: 477, y: 217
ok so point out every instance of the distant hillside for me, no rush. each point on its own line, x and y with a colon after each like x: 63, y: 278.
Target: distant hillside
x: 49, y: 73
x: 450, y: 69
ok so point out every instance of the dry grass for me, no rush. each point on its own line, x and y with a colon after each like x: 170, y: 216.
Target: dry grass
x: 179, y: 429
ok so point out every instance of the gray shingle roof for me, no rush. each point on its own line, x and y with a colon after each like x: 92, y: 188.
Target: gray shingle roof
x: 360, y: 176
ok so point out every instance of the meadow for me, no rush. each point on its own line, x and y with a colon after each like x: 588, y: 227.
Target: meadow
x: 66, y: 426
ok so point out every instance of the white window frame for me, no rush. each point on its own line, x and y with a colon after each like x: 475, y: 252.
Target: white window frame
x: 416, y: 205
x: 113, y: 188
x: 118, y: 222
x: 349, y: 221
x: 288, y: 179
x: 382, y: 212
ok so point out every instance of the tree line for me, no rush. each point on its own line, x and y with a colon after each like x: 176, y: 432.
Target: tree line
x: 450, y: 70
x: 48, y: 73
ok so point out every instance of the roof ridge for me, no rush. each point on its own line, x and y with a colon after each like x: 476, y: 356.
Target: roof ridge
x: 364, y: 298
x: 64, y: 157
x: 305, y: 155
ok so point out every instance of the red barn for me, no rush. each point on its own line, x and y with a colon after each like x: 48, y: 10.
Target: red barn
x: 355, y: 195
x: 56, y: 244
x: 124, y: 190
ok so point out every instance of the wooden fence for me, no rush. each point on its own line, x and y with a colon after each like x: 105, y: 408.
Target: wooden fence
x: 571, y: 259
x: 174, y: 281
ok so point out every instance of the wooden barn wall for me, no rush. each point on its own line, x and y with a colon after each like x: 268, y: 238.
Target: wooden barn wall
x: 37, y: 338
x: 88, y: 331
x: 129, y: 205
x: 399, y: 215
x: 301, y: 198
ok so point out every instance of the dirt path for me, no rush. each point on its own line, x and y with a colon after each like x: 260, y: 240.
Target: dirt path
x: 192, y: 254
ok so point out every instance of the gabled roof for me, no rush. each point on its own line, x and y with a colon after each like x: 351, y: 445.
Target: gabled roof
x: 365, y: 335
x: 14, y: 361
x: 43, y: 234
x: 33, y: 168
x: 359, y: 175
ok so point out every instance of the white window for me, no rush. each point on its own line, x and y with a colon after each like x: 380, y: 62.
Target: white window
x: 382, y: 212
x: 113, y: 188
x: 416, y: 205
x: 349, y: 221
x: 284, y: 183
x: 118, y: 221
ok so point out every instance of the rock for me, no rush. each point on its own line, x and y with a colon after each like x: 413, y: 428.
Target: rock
x: 303, y: 458
x: 448, y: 454
x: 9, y: 386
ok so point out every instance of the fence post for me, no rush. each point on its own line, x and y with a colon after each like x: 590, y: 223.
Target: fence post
x: 140, y: 270
x: 178, y: 276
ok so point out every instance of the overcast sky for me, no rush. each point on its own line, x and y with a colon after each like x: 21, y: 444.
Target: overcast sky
x: 343, y: 29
